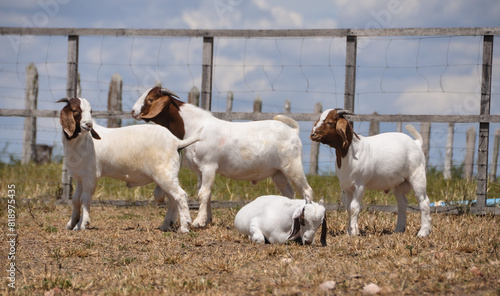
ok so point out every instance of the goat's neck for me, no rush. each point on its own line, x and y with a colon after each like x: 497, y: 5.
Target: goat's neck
x: 194, y: 118
x: 353, y: 152
x: 171, y: 119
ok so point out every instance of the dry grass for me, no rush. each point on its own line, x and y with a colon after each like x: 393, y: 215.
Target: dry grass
x: 124, y: 254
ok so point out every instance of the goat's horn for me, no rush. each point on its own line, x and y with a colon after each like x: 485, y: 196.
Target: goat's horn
x: 342, y: 112
x: 63, y: 100
x: 168, y: 92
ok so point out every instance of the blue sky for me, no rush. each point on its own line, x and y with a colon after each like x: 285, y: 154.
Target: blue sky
x: 395, y: 75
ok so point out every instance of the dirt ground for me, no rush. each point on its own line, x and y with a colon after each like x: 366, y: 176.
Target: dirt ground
x: 124, y: 253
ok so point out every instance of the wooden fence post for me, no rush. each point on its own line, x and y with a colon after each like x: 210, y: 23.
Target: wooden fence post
x: 206, y: 73
x: 484, y: 127
x: 350, y: 72
x: 399, y: 126
x: 469, y: 153
x: 496, y: 144
x: 71, y: 91
x: 313, y: 167
x: 374, y: 126
x: 29, y: 131
x: 194, y: 96
x: 288, y: 106
x: 229, y: 102
x: 425, y: 131
x: 448, y: 161
x: 115, y: 99
x: 257, y: 105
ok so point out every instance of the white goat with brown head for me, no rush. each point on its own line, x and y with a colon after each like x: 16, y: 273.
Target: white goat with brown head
x: 251, y: 151
x: 388, y: 161
x: 138, y: 155
x: 278, y: 219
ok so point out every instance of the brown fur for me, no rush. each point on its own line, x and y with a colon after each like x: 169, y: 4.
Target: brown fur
x: 70, y: 118
x: 337, y: 132
x: 163, y: 109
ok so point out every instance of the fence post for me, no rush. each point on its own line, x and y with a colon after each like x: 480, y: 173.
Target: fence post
x: 71, y: 91
x: 425, y: 131
x: 115, y: 99
x: 288, y: 106
x: 374, y: 126
x: 399, y: 126
x: 31, y: 97
x: 484, y: 127
x: 496, y: 144
x: 206, y: 73
x: 448, y: 161
x: 194, y: 96
x: 350, y: 72
x: 257, y: 105
x: 469, y: 153
x: 313, y: 168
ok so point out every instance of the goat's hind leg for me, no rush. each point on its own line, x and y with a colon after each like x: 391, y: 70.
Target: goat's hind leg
x: 419, y: 184
x: 400, y: 192
x: 204, y: 194
x: 256, y: 235
x: 283, y: 185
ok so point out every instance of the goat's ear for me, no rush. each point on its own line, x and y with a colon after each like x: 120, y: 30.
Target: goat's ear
x: 342, y: 126
x: 323, y: 232
x: 67, y: 121
x: 94, y: 134
x: 156, y: 107
x: 296, y: 222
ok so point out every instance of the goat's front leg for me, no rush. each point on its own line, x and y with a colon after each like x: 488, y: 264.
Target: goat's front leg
x: 77, y: 206
x: 256, y: 235
x: 204, y: 194
x: 353, y: 200
x: 85, y: 217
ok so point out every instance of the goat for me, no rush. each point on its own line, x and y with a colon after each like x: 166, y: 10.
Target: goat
x: 277, y: 219
x: 388, y: 161
x: 251, y: 151
x: 138, y: 155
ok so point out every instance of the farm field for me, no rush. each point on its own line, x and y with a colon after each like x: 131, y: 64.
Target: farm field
x: 123, y: 253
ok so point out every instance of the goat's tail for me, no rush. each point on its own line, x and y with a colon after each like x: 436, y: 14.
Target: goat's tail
x: 191, y: 140
x: 413, y: 131
x: 288, y: 121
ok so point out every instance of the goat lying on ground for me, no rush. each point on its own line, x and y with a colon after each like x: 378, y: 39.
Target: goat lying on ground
x: 277, y: 219
x: 138, y: 155
x: 250, y: 151
x: 389, y: 161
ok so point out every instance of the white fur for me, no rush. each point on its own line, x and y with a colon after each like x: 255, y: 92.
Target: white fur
x: 388, y: 161
x: 138, y: 155
x: 251, y: 151
x: 271, y: 218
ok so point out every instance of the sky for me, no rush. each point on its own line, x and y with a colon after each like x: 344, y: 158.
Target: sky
x: 396, y: 75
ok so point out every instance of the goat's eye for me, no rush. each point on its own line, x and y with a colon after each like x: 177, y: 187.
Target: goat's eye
x: 329, y: 123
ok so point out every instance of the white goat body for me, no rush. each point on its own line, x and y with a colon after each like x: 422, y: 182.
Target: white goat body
x: 388, y: 161
x: 278, y: 219
x: 138, y: 155
x: 250, y: 151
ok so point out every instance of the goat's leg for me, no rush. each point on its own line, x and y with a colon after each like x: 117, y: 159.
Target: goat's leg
x: 77, y: 206
x: 256, y: 235
x: 178, y: 203
x: 295, y: 173
x: 159, y: 195
x: 85, y: 217
x: 419, y: 184
x: 205, y: 212
x: 402, y: 201
x: 353, y: 209
x: 283, y: 185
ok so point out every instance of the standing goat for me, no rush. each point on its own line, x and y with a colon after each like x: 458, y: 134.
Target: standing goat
x: 250, y: 151
x: 138, y: 155
x: 388, y: 161
x: 277, y: 219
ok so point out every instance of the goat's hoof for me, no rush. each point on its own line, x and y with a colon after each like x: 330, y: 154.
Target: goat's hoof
x: 423, y: 233
x: 184, y: 230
